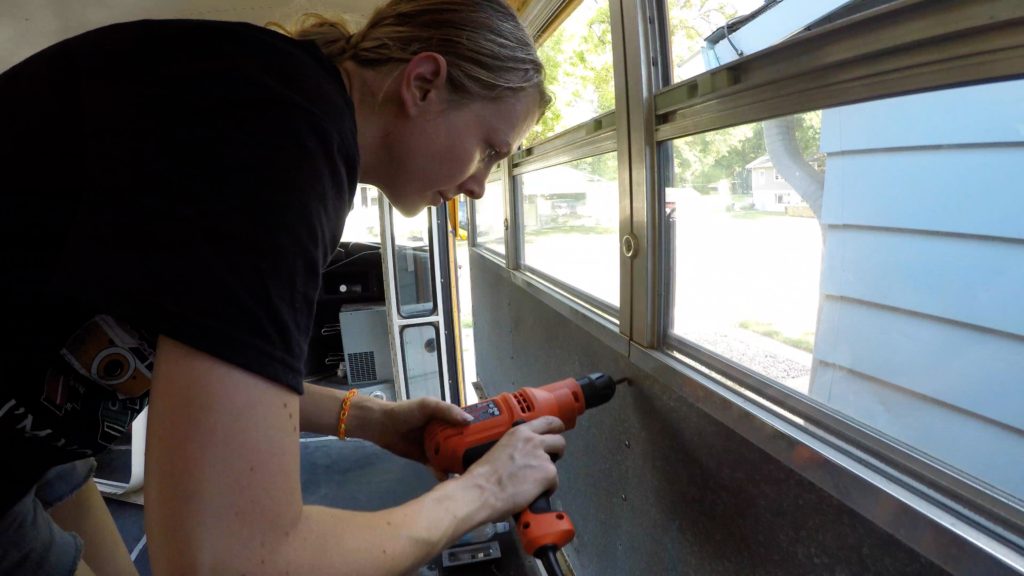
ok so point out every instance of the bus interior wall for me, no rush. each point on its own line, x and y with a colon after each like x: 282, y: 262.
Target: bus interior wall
x: 653, y: 483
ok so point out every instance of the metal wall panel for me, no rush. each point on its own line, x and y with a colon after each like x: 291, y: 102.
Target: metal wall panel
x: 653, y: 484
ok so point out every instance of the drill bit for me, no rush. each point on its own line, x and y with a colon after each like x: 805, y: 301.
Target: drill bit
x: 622, y: 381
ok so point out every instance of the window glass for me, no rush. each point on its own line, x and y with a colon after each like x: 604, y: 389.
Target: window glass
x: 752, y: 244
x: 578, y: 67
x: 363, y: 221
x: 414, y: 274
x: 422, y: 355
x: 871, y: 257
x: 489, y: 212
x: 704, y: 34
x: 570, y: 224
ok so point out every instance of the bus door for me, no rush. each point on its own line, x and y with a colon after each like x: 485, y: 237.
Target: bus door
x: 421, y: 302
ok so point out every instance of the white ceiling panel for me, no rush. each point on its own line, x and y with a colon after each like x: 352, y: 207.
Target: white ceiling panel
x: 27, y: 26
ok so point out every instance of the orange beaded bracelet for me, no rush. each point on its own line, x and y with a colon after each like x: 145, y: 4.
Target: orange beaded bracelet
x: 345, y: 404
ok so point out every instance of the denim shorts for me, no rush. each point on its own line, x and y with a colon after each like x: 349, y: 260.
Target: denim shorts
x: 33, y: 543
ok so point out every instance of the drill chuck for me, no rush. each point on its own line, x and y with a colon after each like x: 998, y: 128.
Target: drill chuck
x: 597, y: 389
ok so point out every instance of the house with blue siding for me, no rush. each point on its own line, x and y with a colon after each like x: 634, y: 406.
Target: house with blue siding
x: 921, y: 323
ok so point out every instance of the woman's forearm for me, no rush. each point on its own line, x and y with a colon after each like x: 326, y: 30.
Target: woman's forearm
x: 331, y: 541
x: 394, y: 541
x: 320, y: 407
x: 224, y: 496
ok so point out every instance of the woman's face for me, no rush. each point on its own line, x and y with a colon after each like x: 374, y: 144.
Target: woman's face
x: 451, y: 152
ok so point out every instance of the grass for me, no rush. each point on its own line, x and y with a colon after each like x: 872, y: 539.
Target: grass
x: 467, y: 323
x: 804, y: 342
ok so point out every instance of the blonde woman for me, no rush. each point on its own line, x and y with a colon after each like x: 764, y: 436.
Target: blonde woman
x: 172, y: 191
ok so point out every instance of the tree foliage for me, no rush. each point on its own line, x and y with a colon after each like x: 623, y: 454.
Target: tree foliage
x: 578, y: 63
x: 701, y: 161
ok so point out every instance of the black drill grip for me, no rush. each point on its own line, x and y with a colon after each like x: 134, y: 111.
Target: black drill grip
x: 542, y: 504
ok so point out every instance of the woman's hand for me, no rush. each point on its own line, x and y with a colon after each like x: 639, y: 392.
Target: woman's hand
x: 519, y: 468
x: 398, y: 426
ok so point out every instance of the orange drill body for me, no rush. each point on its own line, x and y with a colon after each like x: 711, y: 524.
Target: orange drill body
x: 452, y: 449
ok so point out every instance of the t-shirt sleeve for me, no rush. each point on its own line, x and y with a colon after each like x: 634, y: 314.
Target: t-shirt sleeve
x: 245, y: 209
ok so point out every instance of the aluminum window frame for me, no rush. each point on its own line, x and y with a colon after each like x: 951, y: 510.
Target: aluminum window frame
x: 598, y: 135
x: 905, y: 47
x: 910, y: 46
x: 900, y: 48
x: 600, y: 307
x: 591, y: 143
x: 947, y: 533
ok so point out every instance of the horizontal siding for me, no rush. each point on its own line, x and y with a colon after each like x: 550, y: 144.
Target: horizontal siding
x: 978, y: 191
x: 970, y: 280
x: 980, y: 448
x: 979, y: 371
x: 921, y: 325
x: 984, y: 114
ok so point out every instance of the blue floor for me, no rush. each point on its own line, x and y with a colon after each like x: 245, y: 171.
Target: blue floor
x: 354, y: 475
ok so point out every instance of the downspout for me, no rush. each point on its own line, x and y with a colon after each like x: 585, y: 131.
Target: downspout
x: 784, y: 152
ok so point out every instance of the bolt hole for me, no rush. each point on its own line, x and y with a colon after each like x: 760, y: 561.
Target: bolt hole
x: 526, y: 526
x: 560, y: 516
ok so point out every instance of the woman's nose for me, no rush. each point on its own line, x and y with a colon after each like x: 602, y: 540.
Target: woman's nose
x: 473, y: 187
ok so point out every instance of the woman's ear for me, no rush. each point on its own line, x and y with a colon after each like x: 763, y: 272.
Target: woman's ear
x: 424, y: 88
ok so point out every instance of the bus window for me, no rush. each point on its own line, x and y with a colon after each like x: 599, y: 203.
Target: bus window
x: 577, y: 61
x: 489, y: 216
x: 704, y: 35
x: 885, y: 286
x: 747, y: 248
x: 569, y: 216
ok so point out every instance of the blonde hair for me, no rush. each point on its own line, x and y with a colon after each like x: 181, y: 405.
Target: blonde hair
x: 488, y: 52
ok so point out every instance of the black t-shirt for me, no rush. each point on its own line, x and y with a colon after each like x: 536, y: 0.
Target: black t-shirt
x: 184, y: 178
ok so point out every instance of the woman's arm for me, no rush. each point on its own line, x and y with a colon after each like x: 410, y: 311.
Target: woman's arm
x: 320, y: 406
x: 223, y: 493
x: 396, y: 426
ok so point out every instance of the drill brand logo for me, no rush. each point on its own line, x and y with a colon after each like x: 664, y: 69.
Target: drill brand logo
x: 483, y: 411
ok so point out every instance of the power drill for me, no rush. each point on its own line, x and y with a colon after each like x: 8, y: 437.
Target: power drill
x: 453, y: 449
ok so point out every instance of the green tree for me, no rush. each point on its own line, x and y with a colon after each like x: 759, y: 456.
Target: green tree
x: 808, y: 133
x: 701, y: 161
x: 577, y: 61
x: 551, y: 55
x: 605, y: 166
